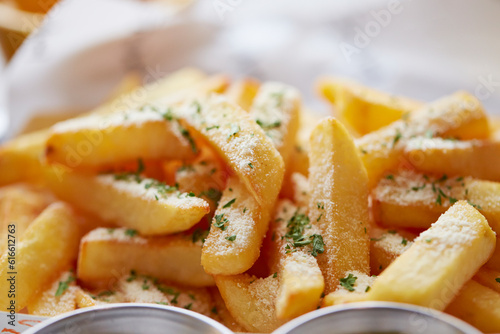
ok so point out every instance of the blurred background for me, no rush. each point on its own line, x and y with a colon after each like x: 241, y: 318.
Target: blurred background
x: 67, y: 56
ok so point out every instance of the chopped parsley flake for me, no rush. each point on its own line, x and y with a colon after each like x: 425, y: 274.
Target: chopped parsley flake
x: 188, y: 306
x: 234, y: 130
x: 231, y: 238
x: 390, y: 177
x: 228, y: 204
x: 64, y: 285
x: 250, y: 165
x: 130, y: 232
x: 348, y: 282
x: 404, y: 242
x: 497, y: 280
x: 275, y: 275
x: 133, y: 276
x: 185, y: 133
x: 220, y: 221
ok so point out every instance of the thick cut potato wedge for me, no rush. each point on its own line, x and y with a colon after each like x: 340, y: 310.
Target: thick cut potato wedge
x: 20, y: 158
x: 421, y: 199
x: 494, y: 261
x: 251, y: 301
x: 102, y: 140
x: 276, y: 109
x: 353, y: 289
x: 476, y: 158
x: 459, y: 116
x: 300, y: 186
x: 243, y: 92
x: 59, y: 298
x: 146, y: 205
x: 488, y: 278
x: 20, y: 204
x: 106, y: 254
x: 222, y: 314
x: 338, y: 202
x: 364, y: 108
x: 386, y: 246
x: 239, y: 140
x: 238, y: 228
x: 293, y: 246
x: 49, y: 246
x: 440, y: 261
x: 479, y: 306
x: 126, y: 133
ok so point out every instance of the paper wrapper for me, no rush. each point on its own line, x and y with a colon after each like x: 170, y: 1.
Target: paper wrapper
x: 422, y: 49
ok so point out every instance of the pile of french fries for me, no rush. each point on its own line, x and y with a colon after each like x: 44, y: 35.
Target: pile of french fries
x: 231, y: 199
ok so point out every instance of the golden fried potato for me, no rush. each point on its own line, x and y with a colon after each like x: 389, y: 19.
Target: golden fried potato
x: 352, y: 288
x: 365, y: 109
x: 477, y: 305
x: 251, y: 301
x: 386, y: 246
x: 243, y: 92
x: 146, y: 205
x: 276, y: 109
x: 440, y: 261
x: 421, y: 199
x: 458, y: 116
x: 108, y: 253
x: 48, y: 247
x: 476, y: 158
x: 59, y: 298
x: 338, y: 202
x: 240, y: 141
x: 238, y: 228
x: 293, y: 246
x: 20, y: 204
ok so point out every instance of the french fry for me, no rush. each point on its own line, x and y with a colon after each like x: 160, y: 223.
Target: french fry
x: 136, y: 130
x: 459, y: 116
x: 293, y: 246
x: 145, y: 289
x: 352, y: 289
x: 476, y: 158
x: 83, y: 299
x: 300, y: 156
x: 48, y: 247
x: 101, y: 140
x: 339, y: 209
x: 206, y: 177
x: 300, y: 186
x: 108, y: 253
x: 238, y: 228
x: 386, y: 246
x: 479, y: 306
x: 241, y: 143
x: 364, y: 108
x: 20, y: 204
x: 494, y: 261
x: 440, y: 261
x: 59, y: 298
x: 422, y: 199
x: 220, y: 312
x: 243, y: 92
x: 20, y: 158
x: 489, y: 278
x: 251, y: 301
x: 276, y: 109
x: 146, y: 205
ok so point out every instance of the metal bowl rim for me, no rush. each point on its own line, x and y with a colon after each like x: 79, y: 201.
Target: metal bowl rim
x: 171, y: 309
x: 424, y: 311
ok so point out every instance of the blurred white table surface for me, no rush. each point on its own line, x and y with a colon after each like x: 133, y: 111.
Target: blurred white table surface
x: 423, y: 49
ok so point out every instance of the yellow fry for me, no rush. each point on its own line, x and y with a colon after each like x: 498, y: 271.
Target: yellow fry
x: 238, y: 228
x: 440, y: 261
x: 459, y: 116
x: 300, y: 280
x: 476, y: 158
x: 147, y: 206
x: 364, y: 108
x: 421, y: 200
x: 239, y: 141
x: 338, y: 202
x: 49, y: 246
x: 243, y: 92
x: 479, y: 306
x: 107, y: 254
